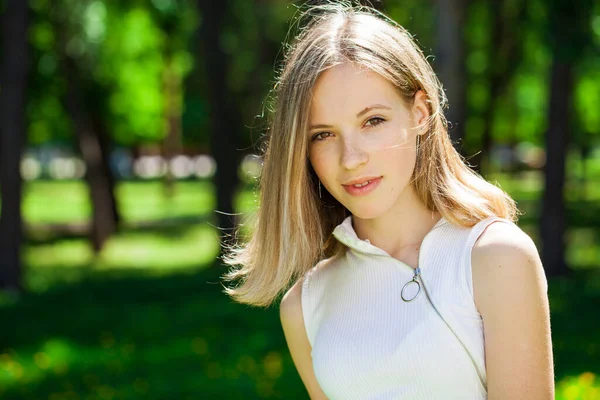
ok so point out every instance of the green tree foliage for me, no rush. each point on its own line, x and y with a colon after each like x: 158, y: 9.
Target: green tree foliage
x: 131, y: 63
x: 122, y: 47
x: 587, y: 90
x: 47, y: 118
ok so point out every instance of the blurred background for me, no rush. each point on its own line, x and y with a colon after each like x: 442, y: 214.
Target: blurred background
x: 124, y: 125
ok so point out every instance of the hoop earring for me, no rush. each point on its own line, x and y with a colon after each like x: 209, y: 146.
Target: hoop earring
x: 418, y: 143
x: 320, y: 189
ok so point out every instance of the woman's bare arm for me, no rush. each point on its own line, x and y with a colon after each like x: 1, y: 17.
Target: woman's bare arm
x: 292, y: 322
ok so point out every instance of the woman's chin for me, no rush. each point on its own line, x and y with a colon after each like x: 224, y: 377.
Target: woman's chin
x: 365, y: 212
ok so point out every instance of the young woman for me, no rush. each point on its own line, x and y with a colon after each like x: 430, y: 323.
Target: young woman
x: 409, y: 278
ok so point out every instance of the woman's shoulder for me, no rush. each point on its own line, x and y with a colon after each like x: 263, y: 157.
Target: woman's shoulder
x: 502, y: 237
x: 503, y: 258
x: 479, y: 234
x: 502, y: 240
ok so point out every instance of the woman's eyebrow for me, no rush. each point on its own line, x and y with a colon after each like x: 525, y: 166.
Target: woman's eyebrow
x: 360, y: 114
x: 372, y: 107
x: 320, y: 126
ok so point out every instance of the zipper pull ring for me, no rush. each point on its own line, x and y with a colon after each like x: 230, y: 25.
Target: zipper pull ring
x: 413, y: 280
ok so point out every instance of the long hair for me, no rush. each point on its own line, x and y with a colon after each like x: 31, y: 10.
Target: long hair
x: 293, y: 225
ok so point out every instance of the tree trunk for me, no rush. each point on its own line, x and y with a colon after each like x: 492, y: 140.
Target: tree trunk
x: 13, y: 82
x: 225, y: 118
x: 450, y: 65
x: 105, y: 150
x: 553, y: 224
x: 568, y: 33
x: 91, y: 147
x: 171, y: 145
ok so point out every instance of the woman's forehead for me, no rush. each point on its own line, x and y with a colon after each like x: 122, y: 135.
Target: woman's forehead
x: 348, y: 89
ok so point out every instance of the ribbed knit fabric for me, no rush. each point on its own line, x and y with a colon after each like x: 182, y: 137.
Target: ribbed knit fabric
x: 367, y: 343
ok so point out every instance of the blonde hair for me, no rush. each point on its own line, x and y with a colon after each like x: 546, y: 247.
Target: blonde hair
x: 293, y: 225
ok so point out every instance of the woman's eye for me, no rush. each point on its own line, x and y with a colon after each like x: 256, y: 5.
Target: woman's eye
x: 320, y: 136
x: 374, y: 121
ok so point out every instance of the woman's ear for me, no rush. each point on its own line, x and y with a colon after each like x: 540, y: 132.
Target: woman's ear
x: 419, y: 108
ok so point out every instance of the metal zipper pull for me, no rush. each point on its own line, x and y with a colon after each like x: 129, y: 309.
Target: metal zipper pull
x: 414, y: 280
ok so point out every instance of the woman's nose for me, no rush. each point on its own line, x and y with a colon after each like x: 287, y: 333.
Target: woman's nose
x: 353, y: 155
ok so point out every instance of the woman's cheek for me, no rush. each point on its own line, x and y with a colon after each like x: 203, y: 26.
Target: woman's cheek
x: 320, y: 159
x: 391, y: 139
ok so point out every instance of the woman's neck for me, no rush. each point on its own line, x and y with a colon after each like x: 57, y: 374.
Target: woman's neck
x: 400, y: 229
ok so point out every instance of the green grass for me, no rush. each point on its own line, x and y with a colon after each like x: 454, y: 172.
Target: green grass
x: 585, y: 386
x: 67, y: 201
x: 56, y: 202
x: 124, y: 334
x: 152, y: 251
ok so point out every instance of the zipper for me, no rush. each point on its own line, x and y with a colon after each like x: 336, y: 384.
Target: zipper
x: 482, y: 380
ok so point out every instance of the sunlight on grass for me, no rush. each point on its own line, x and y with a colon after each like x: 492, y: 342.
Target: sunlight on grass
x: 246, y: 201
x: 54, y: 357
x: 158, y: 252
x: 67, y: 253
x: 197, y: 245
x: 55, y: 201
x: 148, y: 200
x: 68, y: 201
x: 583, y: 387
x: 523, y: 186
x: 582, y: 249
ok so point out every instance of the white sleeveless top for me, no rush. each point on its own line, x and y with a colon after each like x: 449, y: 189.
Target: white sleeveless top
x: 367, y: 343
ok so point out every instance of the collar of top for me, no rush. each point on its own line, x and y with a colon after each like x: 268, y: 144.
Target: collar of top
x: 346, y: 234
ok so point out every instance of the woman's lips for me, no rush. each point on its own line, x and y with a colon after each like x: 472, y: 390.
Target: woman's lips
x: 363, y: 190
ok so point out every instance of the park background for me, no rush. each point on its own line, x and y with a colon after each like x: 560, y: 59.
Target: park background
x: 125, y: 124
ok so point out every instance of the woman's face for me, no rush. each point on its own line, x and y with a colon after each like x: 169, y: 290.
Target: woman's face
x: 362, y: 138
